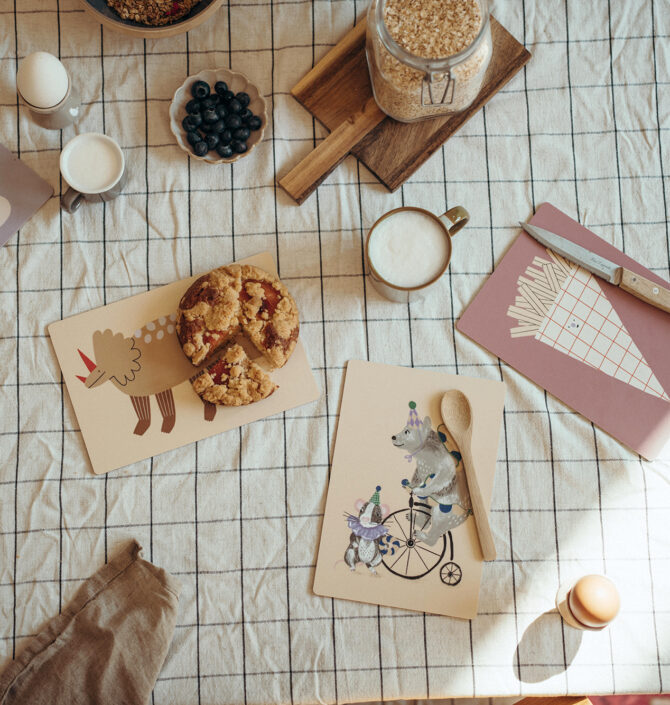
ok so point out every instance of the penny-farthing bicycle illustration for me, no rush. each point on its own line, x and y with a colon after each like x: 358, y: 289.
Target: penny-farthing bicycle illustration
x: 408, y: 557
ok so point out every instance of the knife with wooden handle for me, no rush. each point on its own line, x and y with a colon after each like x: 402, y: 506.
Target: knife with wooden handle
x: 645, y: 289
x: 642, y: 288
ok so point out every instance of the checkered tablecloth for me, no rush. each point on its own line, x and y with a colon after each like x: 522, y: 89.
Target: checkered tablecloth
x: 236, y: 518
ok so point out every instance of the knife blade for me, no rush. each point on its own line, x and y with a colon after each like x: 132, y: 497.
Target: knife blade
x: 595, y: 264
x: 644, y: 289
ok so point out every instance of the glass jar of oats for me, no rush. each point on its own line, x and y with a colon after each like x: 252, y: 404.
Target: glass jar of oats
x: 427, y: 57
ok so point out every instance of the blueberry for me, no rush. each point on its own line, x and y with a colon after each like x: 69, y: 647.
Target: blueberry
x: 210, y: 115
x: 224, y: 150
x: 215, y: 98
x: 217, y: 127
x: 193, y: 106
x: 191, y: 122
x: 254, y: 123
x: 244, y: 99
x: 221, y: 110
x: 212, y: 140
x: 233, y: 121
x: 234, y: 106
x: 200, y: 148
x: 226, y: 137
x: 245, y: 114
x: 193, y: 138
x: 207, y: 103
x: 239, y: 146
x: 220, y: 87
x: 200, y: 90
x: 227, y: 96
x: 242, y: 134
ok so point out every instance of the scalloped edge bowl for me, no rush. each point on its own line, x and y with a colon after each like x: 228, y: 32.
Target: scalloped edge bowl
x: 236, y: 82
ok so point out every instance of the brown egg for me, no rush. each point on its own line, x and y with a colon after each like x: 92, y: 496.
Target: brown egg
x: 594, y: 601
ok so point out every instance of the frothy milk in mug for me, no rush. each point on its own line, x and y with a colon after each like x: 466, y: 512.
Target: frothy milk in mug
x: 92, y: 164
x: 408, y: 248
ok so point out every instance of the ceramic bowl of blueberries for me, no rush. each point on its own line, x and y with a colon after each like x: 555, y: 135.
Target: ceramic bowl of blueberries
x: 218, y: 116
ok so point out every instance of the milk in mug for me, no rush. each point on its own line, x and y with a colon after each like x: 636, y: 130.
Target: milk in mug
x: 92, y: 163
x: 409, y: 248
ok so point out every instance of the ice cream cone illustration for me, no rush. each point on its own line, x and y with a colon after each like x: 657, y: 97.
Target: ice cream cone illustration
x: 150, y: 362
x: 563, y: 306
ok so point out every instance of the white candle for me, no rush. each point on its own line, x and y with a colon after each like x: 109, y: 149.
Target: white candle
x: 408, y: 249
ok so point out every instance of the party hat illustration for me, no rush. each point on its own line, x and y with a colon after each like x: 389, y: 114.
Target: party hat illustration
x: 413, y: 418
x: 563, y: 306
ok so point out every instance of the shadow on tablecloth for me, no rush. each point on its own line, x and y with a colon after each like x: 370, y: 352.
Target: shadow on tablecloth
x: 540, y: 654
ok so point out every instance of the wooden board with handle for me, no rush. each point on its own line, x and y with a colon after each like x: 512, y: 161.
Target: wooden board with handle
x: 338, y: 91
x: 306, y: 176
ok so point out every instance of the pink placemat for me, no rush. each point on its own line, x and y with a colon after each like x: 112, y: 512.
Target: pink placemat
x: 593, y: 346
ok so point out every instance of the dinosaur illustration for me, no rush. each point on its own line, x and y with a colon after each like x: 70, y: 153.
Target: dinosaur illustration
x: 148, y: 363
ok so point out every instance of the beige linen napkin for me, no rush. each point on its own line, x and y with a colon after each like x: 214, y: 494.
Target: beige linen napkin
x: 107, y: 646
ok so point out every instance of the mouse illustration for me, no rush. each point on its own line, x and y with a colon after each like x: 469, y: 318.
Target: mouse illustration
x: 366, y: 531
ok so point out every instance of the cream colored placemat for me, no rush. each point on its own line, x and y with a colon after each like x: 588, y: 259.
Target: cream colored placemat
x: 378, y: 547
x: 145, y: 374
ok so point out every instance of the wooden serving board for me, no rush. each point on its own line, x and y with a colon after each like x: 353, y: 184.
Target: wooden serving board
x: 338, y: 88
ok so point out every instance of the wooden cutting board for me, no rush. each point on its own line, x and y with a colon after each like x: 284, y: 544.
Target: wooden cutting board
x: 338, y: 93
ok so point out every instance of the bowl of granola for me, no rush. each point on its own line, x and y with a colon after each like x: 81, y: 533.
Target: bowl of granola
x: 151, y: 19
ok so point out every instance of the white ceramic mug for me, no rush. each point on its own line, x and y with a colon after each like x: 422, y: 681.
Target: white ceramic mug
x: 407, y: 256
x: 94, y: 167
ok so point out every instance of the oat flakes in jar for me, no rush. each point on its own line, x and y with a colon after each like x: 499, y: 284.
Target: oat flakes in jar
x: 427, y: 57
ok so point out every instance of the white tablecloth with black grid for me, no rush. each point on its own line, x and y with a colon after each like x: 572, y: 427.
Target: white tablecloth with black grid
x: 236, y: 518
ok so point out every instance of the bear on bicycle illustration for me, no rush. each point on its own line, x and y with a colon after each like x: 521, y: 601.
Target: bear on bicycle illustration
x: 412, y: 542
x: 436, y: 476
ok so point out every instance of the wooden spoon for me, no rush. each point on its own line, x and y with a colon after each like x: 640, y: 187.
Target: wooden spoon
x: 457, y: 417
